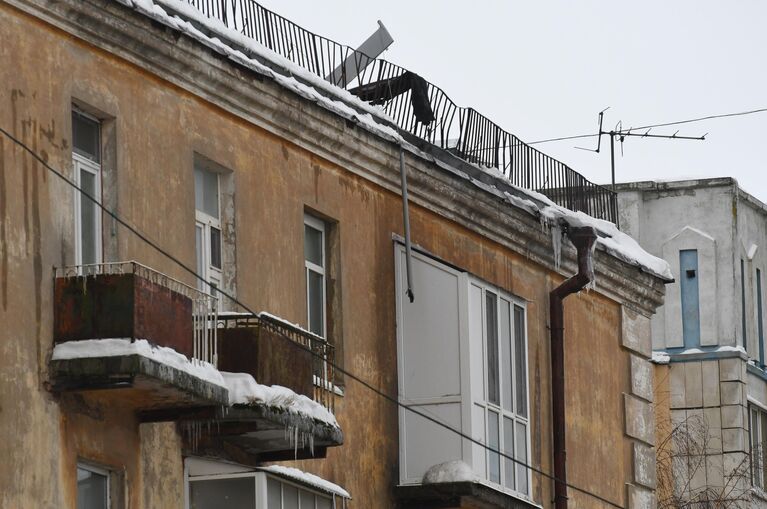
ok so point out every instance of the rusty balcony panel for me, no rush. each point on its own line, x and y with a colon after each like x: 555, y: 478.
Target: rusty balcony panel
x: 276, y: 352
x: 270, y: 359
x: 122, y: 306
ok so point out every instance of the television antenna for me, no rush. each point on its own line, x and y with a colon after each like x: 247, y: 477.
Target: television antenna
x: 621, y: 133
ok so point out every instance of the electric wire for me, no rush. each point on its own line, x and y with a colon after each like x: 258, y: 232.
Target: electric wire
x: 335, y: 366
x: 652, y: 126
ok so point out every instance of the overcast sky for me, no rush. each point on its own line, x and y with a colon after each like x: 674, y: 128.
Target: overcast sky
x: 545, y: 69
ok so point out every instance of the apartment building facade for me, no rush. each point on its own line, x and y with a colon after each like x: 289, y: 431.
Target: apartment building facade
x: 128, y: 383
x: 708, y: 336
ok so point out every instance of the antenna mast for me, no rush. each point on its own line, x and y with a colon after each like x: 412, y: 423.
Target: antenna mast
x: 622, y: 134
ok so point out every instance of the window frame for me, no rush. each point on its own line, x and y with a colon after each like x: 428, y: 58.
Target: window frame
x: 80, y: 163
x: 260, y: 480
x: 487, y: 406
x: 205, y: 222
x: 471, y: 354
x: 107, y: 474
x: 759, y: 318
x: 757, y: 437
x: 319, y: 225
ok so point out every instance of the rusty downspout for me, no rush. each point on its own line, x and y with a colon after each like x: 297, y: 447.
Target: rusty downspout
x: 583, y: 238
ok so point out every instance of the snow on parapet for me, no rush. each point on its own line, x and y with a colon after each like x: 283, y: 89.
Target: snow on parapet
x: 374, y: 119
x: 664, y: 356
x: 307, y: 478
x: 611, y: 239
x: 116, y: 347
x: 450, y: 471
x: 244, y: 390
x: 346, y: 104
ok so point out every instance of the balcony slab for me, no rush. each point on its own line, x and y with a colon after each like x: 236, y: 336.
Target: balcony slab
x: 138, y: 381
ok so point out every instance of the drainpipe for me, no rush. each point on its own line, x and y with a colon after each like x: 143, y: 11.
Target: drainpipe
x: 583, y: 238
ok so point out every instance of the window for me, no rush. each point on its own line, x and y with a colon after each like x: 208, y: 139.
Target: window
x: 314, y: 266
x: 759, y: 323
x: 462, y: 358
x: 758, y: 449
x: 688, y: 274
x: 92, y: 487
x: 86, y: 161
x: 207, y: 198
x: 503, y: 410
x: 250, y: 490
x: 743, y: 301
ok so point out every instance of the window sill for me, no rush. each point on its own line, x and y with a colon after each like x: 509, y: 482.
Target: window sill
x: 318, y: 382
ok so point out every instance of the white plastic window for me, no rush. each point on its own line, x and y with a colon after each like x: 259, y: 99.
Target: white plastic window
x: 314, y: 267
x: 207, y: 201
x: 92, y: 487
x: 503, y: 412
x: 86, y: 162
x: 253, y: 490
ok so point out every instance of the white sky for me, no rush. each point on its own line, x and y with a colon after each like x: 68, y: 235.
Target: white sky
x: 545, y: 69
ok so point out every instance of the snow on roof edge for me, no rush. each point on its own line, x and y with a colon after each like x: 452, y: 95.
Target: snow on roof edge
x: 613, y: 240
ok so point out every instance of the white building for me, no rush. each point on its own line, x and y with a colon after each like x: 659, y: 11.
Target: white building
x: 710, y: 331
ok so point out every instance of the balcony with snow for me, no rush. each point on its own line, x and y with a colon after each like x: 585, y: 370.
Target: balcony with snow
x: 280, y: 400
x: 255, y: 384
x: 125, y: 326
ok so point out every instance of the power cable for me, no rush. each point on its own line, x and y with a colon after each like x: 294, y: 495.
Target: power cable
x: 345, y: 372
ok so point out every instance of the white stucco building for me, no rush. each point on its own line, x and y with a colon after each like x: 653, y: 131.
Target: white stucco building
x: 710, y: 331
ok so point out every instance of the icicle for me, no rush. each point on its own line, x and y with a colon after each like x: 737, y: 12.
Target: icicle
x: 295, y: 446
x: 556, y: 245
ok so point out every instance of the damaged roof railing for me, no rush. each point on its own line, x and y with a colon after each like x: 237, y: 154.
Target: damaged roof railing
x: 416, y: 106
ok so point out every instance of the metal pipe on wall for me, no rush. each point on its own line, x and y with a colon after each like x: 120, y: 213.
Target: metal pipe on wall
x: 584, y: 239
x: 406, y: 220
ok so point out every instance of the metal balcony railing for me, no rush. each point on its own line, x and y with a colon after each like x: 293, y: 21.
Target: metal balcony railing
x: 322, y: 352
x: 204, y: 306
x: 416, y: 106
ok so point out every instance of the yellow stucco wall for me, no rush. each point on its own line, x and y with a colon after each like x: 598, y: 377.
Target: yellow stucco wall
x: 158, y: 129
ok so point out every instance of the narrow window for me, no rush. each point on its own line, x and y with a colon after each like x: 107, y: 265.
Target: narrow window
x: 86, y: 161
x: 688, y: 275
x: 314, y: 266
x: 743, y: 300
x: 521, y: 360
x: 759, y: 324
x: 92, y: 487
x: 503, y: 415
x: 207, y: 201
x: 493, y: 380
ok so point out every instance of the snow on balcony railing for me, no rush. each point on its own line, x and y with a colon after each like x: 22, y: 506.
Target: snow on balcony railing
x: 321, y: 350
x: 204, y: 306
x: 415, y: 105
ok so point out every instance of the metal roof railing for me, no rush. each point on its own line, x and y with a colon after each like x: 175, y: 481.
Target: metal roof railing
x: 416, y: 106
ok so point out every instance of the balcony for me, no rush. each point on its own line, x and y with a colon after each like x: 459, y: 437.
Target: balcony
x: 290, y: 413
x: 125, y: 326
x: 174, y: 358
